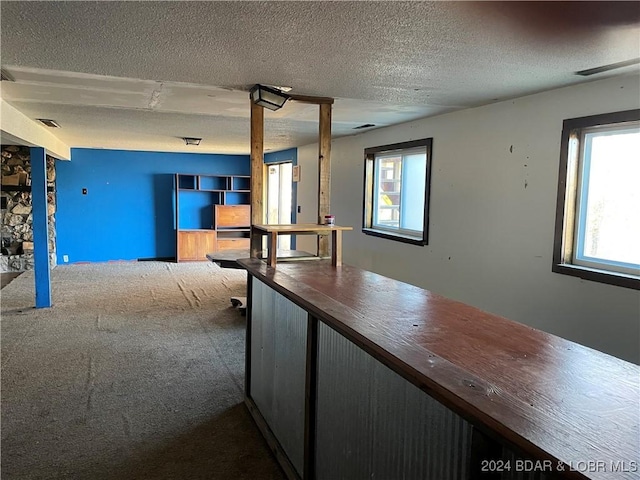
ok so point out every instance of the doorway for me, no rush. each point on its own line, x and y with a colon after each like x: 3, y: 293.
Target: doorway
x: 279, y: 198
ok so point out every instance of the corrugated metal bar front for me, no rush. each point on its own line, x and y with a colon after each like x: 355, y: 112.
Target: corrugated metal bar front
x: 278, y: 356
x: 515, y: 466
x: 372, y: 423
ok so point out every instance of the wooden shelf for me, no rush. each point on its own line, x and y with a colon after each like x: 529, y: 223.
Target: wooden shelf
x: 200, y: 190
x: 232, y: 224
x: 196, y: 198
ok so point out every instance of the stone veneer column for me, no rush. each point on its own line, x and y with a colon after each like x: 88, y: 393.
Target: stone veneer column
x: 17, y: 218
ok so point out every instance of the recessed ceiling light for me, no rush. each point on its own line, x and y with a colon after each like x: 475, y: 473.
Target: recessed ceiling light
x: 366, y: 125
x: 192, y: 140
x: 48, y: 122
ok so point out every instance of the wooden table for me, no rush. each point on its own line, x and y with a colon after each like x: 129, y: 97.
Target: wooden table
x: 272, y: 232
x: 229, y: 258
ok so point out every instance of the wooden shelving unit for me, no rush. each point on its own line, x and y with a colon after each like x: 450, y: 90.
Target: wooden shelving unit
x: 232, y: 226
x: 196, y: 198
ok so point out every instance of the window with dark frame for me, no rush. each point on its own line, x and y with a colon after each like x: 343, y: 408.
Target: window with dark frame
x: 597, y: 232
x: 396, y: 185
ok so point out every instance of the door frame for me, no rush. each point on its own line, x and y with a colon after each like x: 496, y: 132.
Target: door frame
x: 286, y: 156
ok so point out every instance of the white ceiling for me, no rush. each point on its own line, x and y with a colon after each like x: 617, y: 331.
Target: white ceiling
x: 140, y: 75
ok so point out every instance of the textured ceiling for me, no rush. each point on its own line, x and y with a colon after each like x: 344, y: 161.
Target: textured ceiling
x: 140, y: 75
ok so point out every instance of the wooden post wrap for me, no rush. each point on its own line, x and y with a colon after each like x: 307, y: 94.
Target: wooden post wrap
x: 257, y: 175
x: 324, y: 173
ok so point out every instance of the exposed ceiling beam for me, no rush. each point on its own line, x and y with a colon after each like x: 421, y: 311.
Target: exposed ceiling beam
x: 15, y: 124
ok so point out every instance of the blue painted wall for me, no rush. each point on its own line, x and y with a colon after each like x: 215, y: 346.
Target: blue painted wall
x: 290, y: 155
x: 128, y: 211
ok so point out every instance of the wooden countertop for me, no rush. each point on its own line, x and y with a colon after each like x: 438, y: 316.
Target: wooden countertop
x: 550, y: 397
x: 299, y: 228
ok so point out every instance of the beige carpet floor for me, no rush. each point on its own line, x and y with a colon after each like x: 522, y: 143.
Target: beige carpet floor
x: 136, y: 372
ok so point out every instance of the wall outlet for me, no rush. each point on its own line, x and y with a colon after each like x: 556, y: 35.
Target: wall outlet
x: 65, y: 258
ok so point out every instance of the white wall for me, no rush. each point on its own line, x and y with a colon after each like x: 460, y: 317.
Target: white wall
x: 493, y: 201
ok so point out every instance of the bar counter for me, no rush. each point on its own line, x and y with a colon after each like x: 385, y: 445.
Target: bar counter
x: 351, y: 374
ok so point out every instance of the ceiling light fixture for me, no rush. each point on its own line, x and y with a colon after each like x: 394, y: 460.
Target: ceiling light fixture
x: 268, y: 97
x: 192, y: 140
x: 49, y: 123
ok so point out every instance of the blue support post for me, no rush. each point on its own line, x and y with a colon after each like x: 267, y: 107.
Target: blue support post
x: 40, y: 227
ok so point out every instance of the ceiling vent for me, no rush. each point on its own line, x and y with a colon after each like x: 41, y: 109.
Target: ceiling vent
x: 366, y: 125
x: 48, y: 123
x: 5, y: 77
x: 606, y: 68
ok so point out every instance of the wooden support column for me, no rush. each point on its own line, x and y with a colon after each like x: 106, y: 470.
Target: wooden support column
x: 40, y: 227
x: 257, y: 176
x: 324, y: 174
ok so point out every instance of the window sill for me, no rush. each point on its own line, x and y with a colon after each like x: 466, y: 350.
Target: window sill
x: 394, y: 236
x: 595, y: 275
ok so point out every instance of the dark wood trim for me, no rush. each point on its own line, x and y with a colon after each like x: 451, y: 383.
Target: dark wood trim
x: 566, y: 201
x: 601, y: 119
x: 273, y: 443
x: 423, y: 142
x: 310, y: 399
x: 602, y: 276
x: 391, y: 236
x: 561, y: 196
x: 247, y: 347
x: 368, y: 188
x: 427, y: 192
x: 310, y: 99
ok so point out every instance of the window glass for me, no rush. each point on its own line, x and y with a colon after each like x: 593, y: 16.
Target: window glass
x: 598, y: 213
x: 389, y: 191
x: 609, y: 219
x: 397, y: 191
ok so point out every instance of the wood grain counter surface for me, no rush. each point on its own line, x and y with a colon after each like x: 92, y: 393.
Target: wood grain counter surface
x: 554, y: 399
